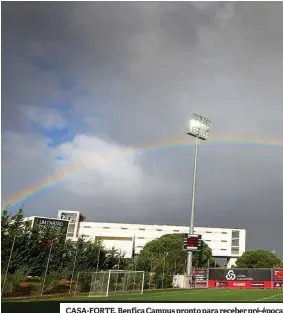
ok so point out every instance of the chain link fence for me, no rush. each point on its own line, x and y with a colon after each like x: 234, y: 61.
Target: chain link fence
x: 160, y: 276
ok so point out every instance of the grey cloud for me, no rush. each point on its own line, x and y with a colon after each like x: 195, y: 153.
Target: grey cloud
x: 140, y: 69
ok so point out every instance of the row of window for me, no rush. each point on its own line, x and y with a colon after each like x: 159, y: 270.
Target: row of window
x: 205, y: 240
x: 159, y: 229
x: 233, y: 251
x: 215, y: 240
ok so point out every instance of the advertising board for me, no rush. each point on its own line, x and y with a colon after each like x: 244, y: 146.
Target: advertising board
x: 278, y: 274
x: 240, y: 274
x: 278, y: 284
x: 239, y: 284
x: 246, y: 278
x: 201, y: 278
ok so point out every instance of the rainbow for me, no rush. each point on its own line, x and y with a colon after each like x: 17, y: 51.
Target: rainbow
x: 31, y: 191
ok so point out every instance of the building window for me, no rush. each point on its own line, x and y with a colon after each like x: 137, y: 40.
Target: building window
x: 140, y: 237
x: 141, y: 228
x: 224, y: 233
x: 235, y: 251
x: 124, y: 228
x: 208, y: 232
x: 235, y: 234
x: 208, y: 240
x: 223, y: 249
x: 87, y: 226
x: 139, y: 246
x: 223, y: 240
x: 176, y: 230
x: 106, y: 227
x: 159, y: 229
x: 235, y: 242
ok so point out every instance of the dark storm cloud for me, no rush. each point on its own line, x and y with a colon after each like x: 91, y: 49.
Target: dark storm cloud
x: 133, y: 73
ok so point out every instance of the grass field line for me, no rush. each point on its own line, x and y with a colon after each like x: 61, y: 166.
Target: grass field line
x: 158, y: 296
x: 278, y: 294
x: 187, y: 292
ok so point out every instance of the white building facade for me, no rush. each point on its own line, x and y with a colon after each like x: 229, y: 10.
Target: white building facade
x: 131, y: 238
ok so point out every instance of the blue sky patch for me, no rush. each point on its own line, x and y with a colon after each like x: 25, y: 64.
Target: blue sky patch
x: 60, y: 158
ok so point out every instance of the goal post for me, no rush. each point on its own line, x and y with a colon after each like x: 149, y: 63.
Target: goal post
x: 104, y: 283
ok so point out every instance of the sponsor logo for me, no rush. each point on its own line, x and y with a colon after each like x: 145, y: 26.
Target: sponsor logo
x: 261, y: 284
x: 231, y: 275
x: 239, y: 284
x: 280, y: 284
x: 221, y: 284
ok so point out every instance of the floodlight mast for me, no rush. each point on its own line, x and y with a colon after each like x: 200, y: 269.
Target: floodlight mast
x: 198, y: 127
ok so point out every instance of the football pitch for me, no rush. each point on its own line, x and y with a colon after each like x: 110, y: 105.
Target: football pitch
x: 198, y: 295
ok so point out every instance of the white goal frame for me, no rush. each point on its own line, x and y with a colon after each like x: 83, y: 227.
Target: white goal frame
x: 107, y: 276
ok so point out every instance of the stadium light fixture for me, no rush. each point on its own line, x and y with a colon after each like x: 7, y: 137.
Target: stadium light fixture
x: 198, y: 127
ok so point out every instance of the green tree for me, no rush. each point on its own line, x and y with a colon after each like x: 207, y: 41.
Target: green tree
x: 165, y: 256
x: 13, y: 229
x: 113, y: 259
x: 258, y: 259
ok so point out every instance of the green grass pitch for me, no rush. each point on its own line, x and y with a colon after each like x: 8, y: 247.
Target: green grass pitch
x: 197, y: 295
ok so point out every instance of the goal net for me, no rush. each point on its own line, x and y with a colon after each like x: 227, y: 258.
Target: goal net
x: 115, y: 281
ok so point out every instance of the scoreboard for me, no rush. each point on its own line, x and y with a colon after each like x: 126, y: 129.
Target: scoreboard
x: 192, y: 242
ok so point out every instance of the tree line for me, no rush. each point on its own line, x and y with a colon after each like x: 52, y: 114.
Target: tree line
x: 33, y: 247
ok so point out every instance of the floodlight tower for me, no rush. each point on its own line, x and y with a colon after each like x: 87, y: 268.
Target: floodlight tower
x: 198, y: 127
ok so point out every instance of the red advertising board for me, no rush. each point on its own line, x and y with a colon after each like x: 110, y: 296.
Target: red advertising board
x: 239, y: 284
x: 278, y: 284
x: 278, y: 275
x: 200, y: 278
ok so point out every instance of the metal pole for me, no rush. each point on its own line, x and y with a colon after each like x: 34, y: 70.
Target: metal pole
x: 108, y: 283
x: 184, y: 278
x: 125, y: 281
x: 142, y: 283
x: 135, y: 276
x: 190, y: 253
x: 103, y: 281
x: 118, y: 267
x: 77, y: 281
x: 9, y: 261
x: 47, y: 265
x: 73, y: 271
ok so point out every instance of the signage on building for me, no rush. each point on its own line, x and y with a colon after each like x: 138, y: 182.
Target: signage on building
x: 51, y: 222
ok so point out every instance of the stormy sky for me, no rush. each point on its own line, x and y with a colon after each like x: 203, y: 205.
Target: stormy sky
x: 82, y: 82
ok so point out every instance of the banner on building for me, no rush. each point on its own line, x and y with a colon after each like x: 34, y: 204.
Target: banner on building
x: 62, y: 225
